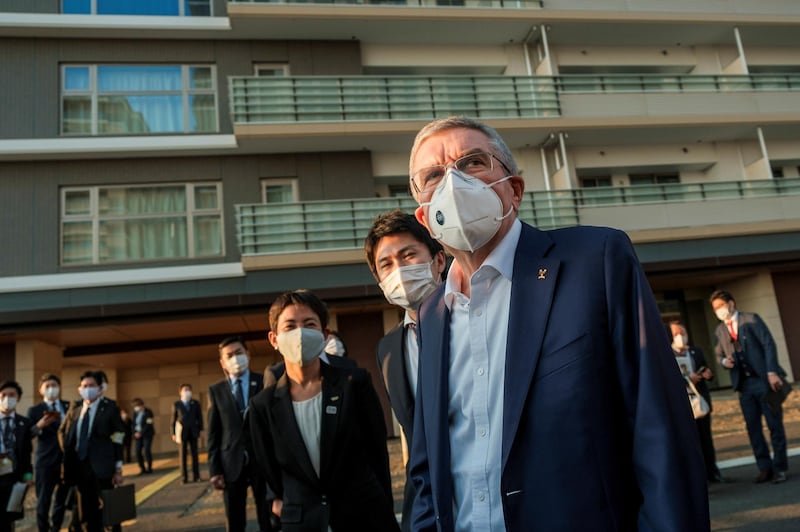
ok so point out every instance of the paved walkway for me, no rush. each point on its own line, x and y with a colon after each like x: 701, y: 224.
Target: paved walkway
x: 164, y: 504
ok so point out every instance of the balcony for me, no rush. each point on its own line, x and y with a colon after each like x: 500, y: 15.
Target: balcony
x: 373, y: 112
x: 272, y: 236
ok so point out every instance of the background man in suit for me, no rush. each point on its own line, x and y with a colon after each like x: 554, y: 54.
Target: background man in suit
x: 186, y: 411
x: 143, y: 432
x: 745, y: 346
x: 548, y: 397
x: 229, y: 449
x: 408, y: 265
x: 47, y: 416
x: 91, y: 439
x: 15, y: 450
x: 699, y: 374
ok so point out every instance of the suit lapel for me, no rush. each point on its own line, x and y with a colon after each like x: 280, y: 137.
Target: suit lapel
x: 532, y: 289
x: 332, y: 400
x: 399, y: 387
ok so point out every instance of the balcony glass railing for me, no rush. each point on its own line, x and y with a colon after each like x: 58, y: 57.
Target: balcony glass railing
x: 175, y: 8
x: 342, y: 224
x: 616, y: 83
x: 326, y: 99
x: 503, y: 4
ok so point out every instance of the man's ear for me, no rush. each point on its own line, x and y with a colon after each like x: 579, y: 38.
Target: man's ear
x: 419, y: 214
x: 272, y: 338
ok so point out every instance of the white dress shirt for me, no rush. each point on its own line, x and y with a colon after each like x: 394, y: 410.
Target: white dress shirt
x: 478, y: 333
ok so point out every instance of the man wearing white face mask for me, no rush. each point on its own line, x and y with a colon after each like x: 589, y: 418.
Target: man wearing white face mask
x: 745, y: 346
x: 408, y: 265
x: 15, y: 450
x: 91, y: 439
x: 547, y: 392
x: 47, y: 416
x: 318, y: 430
x: 691, y: 357
x: 229, y: 450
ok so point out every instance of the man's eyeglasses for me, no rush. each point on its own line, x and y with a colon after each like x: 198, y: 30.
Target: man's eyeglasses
x: 478, y: 164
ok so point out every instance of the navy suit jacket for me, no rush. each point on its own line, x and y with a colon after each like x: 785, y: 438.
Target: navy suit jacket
x: 757, y: 344
x: 597, y: 433
x: 392, y: 364
x: 48, y: 451
x: 191, y: 419
x: 105, y: 440
x: 228, y: 443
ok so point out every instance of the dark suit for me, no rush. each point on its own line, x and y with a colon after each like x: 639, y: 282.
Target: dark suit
x: 230, y: 452
x: 94, y: 473
x: 704, y: 423
x: 749, y: 376
x: 144, y: 425
x: 48, y: 470
x: 191, y: 419
x: 22, y: 467
x: 393, y: 365
x: 353, y: 490
x: 597, y: 433
x: 277, y: 370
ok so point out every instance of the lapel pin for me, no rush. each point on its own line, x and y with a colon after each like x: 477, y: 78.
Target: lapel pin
x: 335, y: 398
x: 542, y: 273
x: 330, y: 409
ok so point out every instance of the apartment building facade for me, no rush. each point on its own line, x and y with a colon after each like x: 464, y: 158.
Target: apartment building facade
x: 168, y: 166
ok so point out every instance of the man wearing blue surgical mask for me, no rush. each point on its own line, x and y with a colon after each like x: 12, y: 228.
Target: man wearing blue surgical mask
x: 408, y: 265
x: 547, y: 392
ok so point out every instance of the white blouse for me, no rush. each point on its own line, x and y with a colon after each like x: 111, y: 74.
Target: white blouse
x: 308, y: 414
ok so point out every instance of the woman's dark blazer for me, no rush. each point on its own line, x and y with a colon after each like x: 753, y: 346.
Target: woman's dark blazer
x: 353, y: 491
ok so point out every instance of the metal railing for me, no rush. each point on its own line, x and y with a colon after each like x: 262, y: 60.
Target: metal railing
x: 325, y: 98
x: 265, y: 100
x: 616, y: 83
x: 497, y: 4
x: 342, y: 224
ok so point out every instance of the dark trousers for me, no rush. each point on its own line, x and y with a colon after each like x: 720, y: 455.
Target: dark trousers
x: 89, y: 488
x: 48, y: 482
x: 235, y: 497
x: 6, y: 519
x: 707, y: 446
x: 188, y: 444
x: 752, y: 399
x: 126, y: 449
x: 143, y: 453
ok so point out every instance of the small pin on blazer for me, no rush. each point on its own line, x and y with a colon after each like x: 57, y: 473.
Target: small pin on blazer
x: 542, y: 273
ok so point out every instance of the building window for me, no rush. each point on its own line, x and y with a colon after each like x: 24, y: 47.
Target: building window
x: 268, y: 70
x: 138, y: 99
x: 279, y: 190
x: 593, y: 182
x: 112, y: 224
x: 399, y: 191
x: 654, y: 179
x: 177, y: 8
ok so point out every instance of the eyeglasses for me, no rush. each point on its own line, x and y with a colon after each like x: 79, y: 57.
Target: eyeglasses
x: 478, y: 164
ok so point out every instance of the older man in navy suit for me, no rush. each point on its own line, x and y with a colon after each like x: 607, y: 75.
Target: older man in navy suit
x: 549, y: 398
x: 745, y: 347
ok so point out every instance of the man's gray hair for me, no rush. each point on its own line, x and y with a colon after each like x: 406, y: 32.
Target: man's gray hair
x: 452, y: 122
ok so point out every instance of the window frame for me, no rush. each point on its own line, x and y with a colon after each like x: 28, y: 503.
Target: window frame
x: 93, y: 93
x: 95, y: 218
x: 270, y: 181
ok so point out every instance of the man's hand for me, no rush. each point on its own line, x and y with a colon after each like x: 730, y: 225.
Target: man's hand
x: 117, y: 478
x: 277, y: 506
x: 174, y: 438
x: 707, y: 374
x: 775, y: 382
x: 695, y: 378
x: 217, y: 482
x: 137, y: 435
x: 48, y: 418
x: 727, y: 363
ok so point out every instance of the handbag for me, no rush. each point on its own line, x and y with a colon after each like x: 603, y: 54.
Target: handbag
x: 775, y: 399
x: 699, y: 405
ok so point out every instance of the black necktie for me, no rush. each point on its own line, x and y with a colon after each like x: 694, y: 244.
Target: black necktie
x: 8, y: 437
x: 83, y: 437
x: 238, y: 395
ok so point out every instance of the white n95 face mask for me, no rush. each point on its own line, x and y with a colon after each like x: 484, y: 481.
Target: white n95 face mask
x: 301, y: 346
x: 723, y: 313
x: 409, y: 286
x: 464, y: 212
